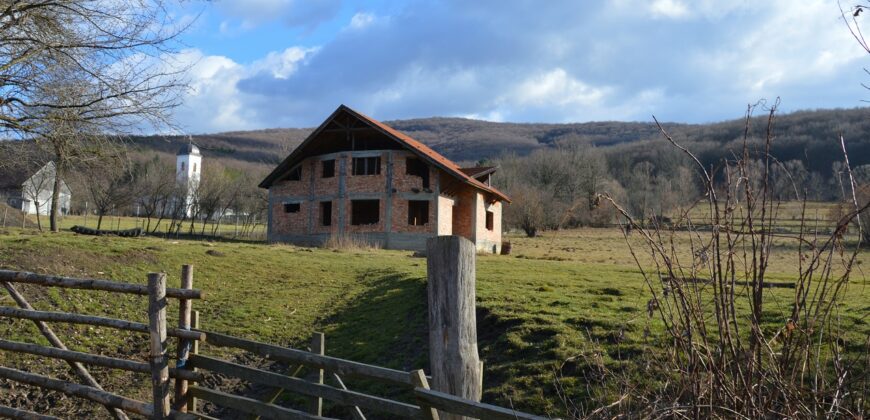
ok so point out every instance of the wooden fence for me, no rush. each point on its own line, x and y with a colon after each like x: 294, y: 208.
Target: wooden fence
x: 192, y: 365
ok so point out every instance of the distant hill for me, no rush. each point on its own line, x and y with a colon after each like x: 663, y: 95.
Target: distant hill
x: 800, y: 134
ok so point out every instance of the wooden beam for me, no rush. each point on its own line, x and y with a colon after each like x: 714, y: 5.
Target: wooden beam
x: 158, y: 360
x: 334, y: 364
x: 91, y: 359
x: 92, y: 284
x: 194, y: 322
x: 460, y: 406
x: 52, y: 338
x: 318, y: 346
x: 183, y: 350
x: 300, y: 386
x: 17, y: 414
x: 69, y: 318
x: 453, y: 358
x: 418, y: 377
x: 86, y: 392
x: 249, y: 405
x: 354, y: 411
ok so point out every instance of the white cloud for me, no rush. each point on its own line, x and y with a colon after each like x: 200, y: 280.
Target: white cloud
x: 214, y: 101
x: 673, y: 9
x: 793, y: 46
x: 361, y: 20
x: 556, y: 87
x: 282, y: 64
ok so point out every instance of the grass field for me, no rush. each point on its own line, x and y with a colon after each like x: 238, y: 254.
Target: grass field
x: 563, y: 304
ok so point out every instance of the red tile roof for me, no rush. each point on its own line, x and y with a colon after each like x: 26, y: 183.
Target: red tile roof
x: 478, y: 171
x: 412, y: 144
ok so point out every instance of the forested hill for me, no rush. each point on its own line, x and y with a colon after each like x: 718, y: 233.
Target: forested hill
x: 799, y: 135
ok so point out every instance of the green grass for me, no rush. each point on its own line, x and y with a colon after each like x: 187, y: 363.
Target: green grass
x: 226, y: 228
x: 561, y: 304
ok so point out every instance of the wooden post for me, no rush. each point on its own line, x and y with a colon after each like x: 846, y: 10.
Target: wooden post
x: 184, y: 309
x: 318, y: 346
x: 453, y: 357
x: 418, y: 378
x: 157, y: 328
x: 191, y: 400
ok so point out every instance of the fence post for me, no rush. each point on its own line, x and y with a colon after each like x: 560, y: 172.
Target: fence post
x: 183, y: 351
x: 191, y: 400
x: 157, y: 329
x: 318, y: 346
x: 418, y: 378
x: 453, y: 357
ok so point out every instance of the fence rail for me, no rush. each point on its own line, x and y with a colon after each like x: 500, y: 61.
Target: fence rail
x: 192, y: 367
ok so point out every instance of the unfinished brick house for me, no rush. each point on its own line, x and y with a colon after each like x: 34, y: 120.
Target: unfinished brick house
x: 357, y: 176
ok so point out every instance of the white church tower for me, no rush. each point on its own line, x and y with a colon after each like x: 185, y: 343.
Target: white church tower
x: 188, y: 166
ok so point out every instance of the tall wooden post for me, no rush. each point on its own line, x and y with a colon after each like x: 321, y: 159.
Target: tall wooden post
x: 453, y: 357
x: 157, y: 329
x: 318, y: 346
x: 184, y: 344
x: 191, y: 400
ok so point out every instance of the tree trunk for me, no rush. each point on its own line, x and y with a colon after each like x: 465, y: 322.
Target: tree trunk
x: 38, y: 219
x: 99, y: 220
x: 55, y: 200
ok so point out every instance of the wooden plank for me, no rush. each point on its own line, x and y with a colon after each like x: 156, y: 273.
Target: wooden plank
x: 157, y: 355
x: 249, y: 405
x: 194, y: 322
x: 92, y: 284
x: 18, y: 414
x: 83, y: 391
x: 318, y: 346
x: 460, y: 406
x: 65, y: 317
x: 90, y: 359
x: 52, y: 338
x: 418, y: 377
x: 354, y: 411
x: 333, y: 364
x: 183, y: 350
x: 453, y: 358
x: 300, y: 386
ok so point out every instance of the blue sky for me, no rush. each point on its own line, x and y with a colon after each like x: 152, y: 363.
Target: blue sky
x: 288, y: 63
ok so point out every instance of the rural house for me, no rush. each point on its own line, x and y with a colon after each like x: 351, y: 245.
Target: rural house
x: 357, y: 176
x: 28, y: 187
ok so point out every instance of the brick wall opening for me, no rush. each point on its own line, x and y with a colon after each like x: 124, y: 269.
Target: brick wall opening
x: 291, y: 207
x: 295, y: 174
x: 326, y: 213
x: 490, y: 218
x: 418, y: 212
x: 367, y: 165
x: 365, y: 212
x: 416, y: 167
x: 328, y: 168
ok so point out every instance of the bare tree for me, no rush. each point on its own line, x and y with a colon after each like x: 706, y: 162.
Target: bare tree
x: 109, y: 185
x: 155, y: 185
x: 75, y: 72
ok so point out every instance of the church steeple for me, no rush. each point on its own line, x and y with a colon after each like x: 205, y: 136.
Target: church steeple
x: 188, y: 167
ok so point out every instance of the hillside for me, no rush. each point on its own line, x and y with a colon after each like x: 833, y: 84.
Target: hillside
x: 799, y: 134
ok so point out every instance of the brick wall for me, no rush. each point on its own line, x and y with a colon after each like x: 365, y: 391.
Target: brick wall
x: 463, y: 214
x: 289, y: 223
x: 400, y: 217
x: 366, y: 183
x: 445, y: 215
x: 486, y: 239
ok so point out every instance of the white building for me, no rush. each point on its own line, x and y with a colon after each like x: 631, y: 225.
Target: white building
x: 188, y: 167
x: 28, y: 188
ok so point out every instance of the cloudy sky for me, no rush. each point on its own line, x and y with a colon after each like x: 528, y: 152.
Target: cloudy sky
x: 289, y: 63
